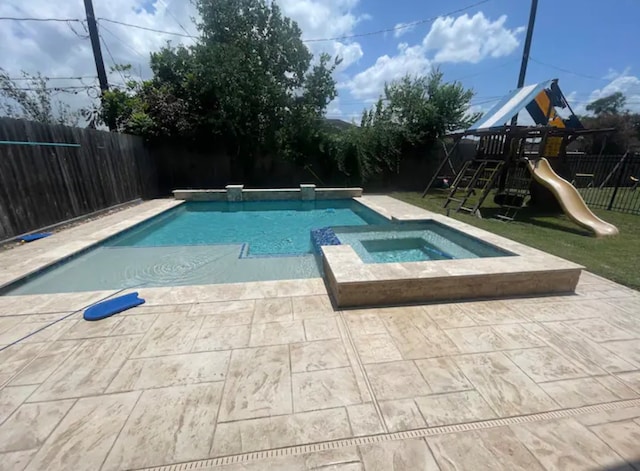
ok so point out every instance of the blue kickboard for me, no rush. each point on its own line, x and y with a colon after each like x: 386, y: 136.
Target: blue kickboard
x: 112, y: 306
x: 32, y: 237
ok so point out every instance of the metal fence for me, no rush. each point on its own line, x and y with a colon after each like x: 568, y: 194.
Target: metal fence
x: 608, y: 181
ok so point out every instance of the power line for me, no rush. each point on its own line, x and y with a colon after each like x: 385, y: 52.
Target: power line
x: 153, y: 30
x: 61, y: 20
x: 15, y: 79
x: 187, y: 35
x: 81, y: 36
x: 173, y: 16
x: 336, y: 38
x: 104, y: 28
x: 567, y: 70
x: 71, y: 87
x: 398, y: 27
x: 115, y: 65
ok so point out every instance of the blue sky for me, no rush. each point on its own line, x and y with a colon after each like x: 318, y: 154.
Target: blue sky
x: 593, y: 39
x: 481, y: 46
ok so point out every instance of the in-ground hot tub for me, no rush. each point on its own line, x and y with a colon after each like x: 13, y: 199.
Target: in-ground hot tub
x: 431, y: 257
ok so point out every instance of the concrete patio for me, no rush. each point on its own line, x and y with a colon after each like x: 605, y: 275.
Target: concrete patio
x: 269, y: 375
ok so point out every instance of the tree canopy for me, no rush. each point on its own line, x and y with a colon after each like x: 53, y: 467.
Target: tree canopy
x: 248, y: 81
x: 610, y: 112
x: 611, y: 104
x: 250, y: 84
x: 411, y: 115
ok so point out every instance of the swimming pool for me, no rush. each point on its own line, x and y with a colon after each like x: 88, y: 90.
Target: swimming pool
x: 222, y: 242
x: 205, y: 243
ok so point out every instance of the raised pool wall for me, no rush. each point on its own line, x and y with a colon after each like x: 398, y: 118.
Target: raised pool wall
x: 237, y: 193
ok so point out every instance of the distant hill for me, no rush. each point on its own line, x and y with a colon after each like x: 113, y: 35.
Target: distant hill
x: 339, y: 124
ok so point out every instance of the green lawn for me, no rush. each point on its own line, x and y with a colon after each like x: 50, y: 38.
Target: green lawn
x: 615, y: 258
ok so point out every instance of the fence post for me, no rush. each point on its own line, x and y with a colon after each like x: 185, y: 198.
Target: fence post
x: 623, y: 171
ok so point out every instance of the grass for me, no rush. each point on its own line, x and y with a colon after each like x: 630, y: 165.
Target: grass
x: 615, y: 258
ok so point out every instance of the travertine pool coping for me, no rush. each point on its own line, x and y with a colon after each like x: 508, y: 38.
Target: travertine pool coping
x: 355, y: 283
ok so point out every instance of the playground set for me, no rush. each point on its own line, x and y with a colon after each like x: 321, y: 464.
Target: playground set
x: 520, y: 164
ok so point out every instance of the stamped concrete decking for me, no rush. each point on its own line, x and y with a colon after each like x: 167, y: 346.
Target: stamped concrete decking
x: 269, y: 375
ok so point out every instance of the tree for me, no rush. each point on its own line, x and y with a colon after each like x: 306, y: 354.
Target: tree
x: 611, y: 104
x: 248, y: 82
x: 408, y: 119
x: 626, y: 136
x: 427, y: 107
x: 33, y: 100
x: 146, y: 108
x: 610, y: 113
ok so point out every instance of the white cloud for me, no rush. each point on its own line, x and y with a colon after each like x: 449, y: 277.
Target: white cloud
x: 462, y: 39
x: 333, y: 110
x: 624, y: 82
x: 471, y: 39
x: 370, y: 82
x: 613, y: 73
x: 403, y: 28
x: 54, y: 50
x: 628, y: 85
x: 319, y: 19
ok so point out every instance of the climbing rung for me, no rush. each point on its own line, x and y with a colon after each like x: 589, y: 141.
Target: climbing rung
x: 464, y: 208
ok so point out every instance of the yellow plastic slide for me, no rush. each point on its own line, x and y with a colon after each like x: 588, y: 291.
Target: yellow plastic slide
x: 572, y: 203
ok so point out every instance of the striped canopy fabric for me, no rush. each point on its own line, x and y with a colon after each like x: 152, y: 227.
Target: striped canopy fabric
x: 510, y: 106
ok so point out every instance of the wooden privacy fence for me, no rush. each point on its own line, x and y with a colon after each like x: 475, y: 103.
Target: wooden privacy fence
x: 52, y: 173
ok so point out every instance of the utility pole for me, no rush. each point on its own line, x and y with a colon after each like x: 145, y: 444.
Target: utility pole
x: 95, y: 45
x: 525, y: 52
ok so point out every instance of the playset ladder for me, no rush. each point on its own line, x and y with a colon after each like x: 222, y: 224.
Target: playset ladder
x: 475, y: 175
x: 513, y: 198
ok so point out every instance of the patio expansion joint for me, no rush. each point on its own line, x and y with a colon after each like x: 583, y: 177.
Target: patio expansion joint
x: 404, y: 435
x: 344, y: 330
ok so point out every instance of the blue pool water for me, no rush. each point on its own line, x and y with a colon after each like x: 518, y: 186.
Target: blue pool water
x: 414, y: 242
x: 267, y: 228
x: 205, y: 243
